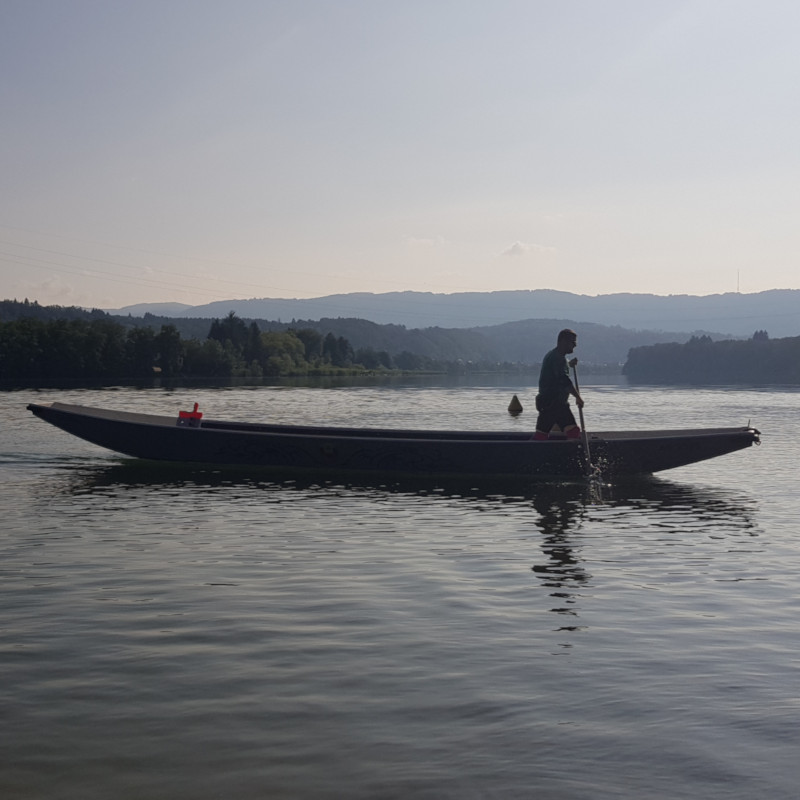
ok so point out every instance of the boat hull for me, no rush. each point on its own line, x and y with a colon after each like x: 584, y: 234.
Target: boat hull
x: 290, y: 449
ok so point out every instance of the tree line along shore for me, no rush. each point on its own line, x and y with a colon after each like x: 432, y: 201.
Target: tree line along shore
x: 58, y: 351
x: 701, y: 361
x: 50, y: 345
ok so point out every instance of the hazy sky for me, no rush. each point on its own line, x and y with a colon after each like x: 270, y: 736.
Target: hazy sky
x: 192, y: 150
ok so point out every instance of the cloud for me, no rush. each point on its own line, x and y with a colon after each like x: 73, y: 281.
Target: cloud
x: 431, y: 241
x: 523, y: 249
x: 54, y: 288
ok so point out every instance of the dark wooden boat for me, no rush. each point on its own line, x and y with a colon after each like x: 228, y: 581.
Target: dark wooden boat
x: 330, y: 450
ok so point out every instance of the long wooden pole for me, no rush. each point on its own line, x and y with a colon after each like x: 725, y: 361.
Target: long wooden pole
x: 584, y: 437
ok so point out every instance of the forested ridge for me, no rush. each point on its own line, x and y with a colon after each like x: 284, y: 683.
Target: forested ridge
x: 55, y: 345
x: 702, y: 361
x: 522, y: 342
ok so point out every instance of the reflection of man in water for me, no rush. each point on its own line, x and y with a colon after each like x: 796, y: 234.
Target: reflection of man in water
x: 560, y: 510
x: 555, y: 387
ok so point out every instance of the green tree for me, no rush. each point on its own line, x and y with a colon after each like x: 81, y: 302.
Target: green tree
x: 253, y: 349
x: 170, y: 350
x: 141, y: 351
x: 337, y: 351
x: 230, y: 329
x: 408, y: 361
x: 371, y: 359
x: 283, y: 352
x: 312, y: 343
x: 208, y: 359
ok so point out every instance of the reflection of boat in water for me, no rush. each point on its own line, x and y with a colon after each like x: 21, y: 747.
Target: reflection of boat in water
x: 557, y: 521
x: 293, y: 449
x: 562, y: 508
x: 555, y: 536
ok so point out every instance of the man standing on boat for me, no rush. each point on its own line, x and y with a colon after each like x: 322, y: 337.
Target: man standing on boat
x: 555, y: 386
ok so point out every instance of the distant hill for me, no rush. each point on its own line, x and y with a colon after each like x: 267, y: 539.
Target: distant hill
x: 777, y: 310
x: 159, y: 309
x: 520, y: 342
x: 523, y: 342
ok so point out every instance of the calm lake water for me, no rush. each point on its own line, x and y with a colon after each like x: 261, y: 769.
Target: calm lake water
x: 198, y: 634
